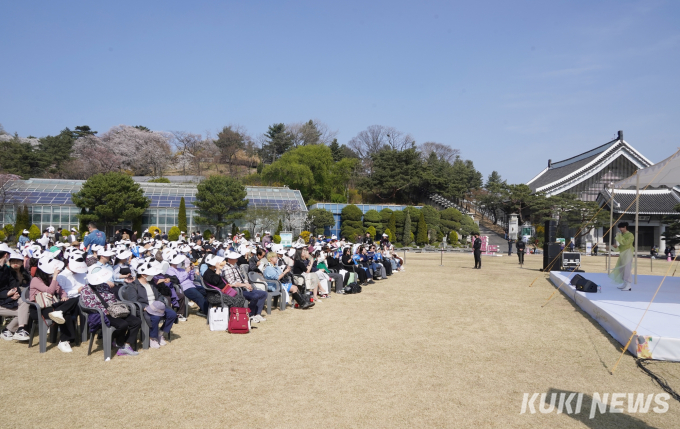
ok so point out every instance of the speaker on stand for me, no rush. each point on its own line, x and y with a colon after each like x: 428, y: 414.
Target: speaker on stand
x: 551, y: 249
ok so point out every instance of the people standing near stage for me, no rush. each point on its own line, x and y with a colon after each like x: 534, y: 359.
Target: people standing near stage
x: 477, y: 251
x: 621, y: 274
x: 521, y: 247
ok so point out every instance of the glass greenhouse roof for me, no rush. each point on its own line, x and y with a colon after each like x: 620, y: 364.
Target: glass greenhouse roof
x: 166, y: 195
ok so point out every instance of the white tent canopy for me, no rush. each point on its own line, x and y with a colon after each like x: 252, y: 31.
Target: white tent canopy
x: 666, y: 172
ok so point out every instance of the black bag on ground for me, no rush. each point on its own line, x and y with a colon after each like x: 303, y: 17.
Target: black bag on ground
x: 352, y: 288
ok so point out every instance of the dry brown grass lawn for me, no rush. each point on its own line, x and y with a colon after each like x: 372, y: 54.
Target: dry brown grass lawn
x: 430, y: 347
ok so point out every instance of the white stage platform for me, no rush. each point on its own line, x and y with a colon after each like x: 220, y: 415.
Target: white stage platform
x: 619, y: 312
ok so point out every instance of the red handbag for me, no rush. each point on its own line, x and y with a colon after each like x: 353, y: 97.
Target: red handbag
x: 228, y: 290
x: 239, y: 320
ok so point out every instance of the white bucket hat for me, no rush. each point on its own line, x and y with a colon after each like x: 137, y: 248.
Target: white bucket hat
x: 106, y: 253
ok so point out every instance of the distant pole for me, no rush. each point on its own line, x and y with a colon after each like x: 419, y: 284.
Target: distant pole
x: 637, y: 220
x: 611, y: 222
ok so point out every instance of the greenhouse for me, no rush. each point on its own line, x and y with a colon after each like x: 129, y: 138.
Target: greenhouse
x: 49, y: 202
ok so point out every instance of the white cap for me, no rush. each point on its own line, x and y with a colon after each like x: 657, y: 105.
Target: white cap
x: 25, y: 231
x: 48, y: 265
x: 77, y: 264
x: 233, y: 255
x: 15, y: 255
x: 5, y: 248
x: 213, y: 260
x: 74, y: 230
x: 106, y: 253
x: 291, y: 252
x: 149, y: 269
x: 124, y: 254
x: 97, y: 275
x: 177, y: 259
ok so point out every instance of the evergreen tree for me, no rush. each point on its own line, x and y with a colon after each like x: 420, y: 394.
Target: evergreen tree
x: 407, y: 230
x: 421, y: 238
x: 182, y: 216
x: 392, y: 226
x: 336, y: 151
x: 110, y: 198
x: 390, y: 235
x: 220, y: 200
x: 279, y: 228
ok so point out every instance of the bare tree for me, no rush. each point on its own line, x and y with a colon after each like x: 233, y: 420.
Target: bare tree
x: 368, y: 141
x: 2, y: 130
x: 310, y: 132
x: 185, y: 144
x: 443, y: 152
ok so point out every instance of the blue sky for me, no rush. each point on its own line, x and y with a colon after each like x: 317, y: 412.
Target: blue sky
x: 510, y: 84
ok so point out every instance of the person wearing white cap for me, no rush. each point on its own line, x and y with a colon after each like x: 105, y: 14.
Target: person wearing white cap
x: 97, y: 294
x: 144, y: 292
x: 63, y: 310
x: 72, y: 236
x: 104, y: 258
x: 10, y: 293
x: 234, y: 278
x: 184, y: 272
x: 23, y: 239
x: 74, y: 277
x: 122, y: 263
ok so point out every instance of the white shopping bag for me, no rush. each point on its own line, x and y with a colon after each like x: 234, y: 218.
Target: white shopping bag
x: 219, y: 318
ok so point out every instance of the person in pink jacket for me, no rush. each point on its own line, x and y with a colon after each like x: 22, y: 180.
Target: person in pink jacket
x: 64, y: 309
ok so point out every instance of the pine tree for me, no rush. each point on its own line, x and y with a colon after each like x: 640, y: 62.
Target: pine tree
x: 182, y: 216
x: 279, y: 228
x: 421, y: 238
x: 336, y: 152
x: 407, y: 230
x: 392, y: 226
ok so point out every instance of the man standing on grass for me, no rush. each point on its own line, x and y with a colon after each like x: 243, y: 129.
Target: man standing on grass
x: 477, y: 251
x: 521, y: 247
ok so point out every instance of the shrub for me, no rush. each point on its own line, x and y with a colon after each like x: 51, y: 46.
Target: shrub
x: 2, y: 235
x: 34, y: 232
x: 173, y: 234
x: 338, y: 198
x: 371, y: 230
x: 453, y: 238
x: 390, y: 235
x: 207, y: 234
x: 422, y: 231
x: 246, y: 234
x: 277, y: 239
x: 305, y: 235
x: 153, y: 230
x: 160, y: 180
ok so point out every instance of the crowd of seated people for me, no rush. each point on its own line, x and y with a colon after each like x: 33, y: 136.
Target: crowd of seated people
x: 67, y: 281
